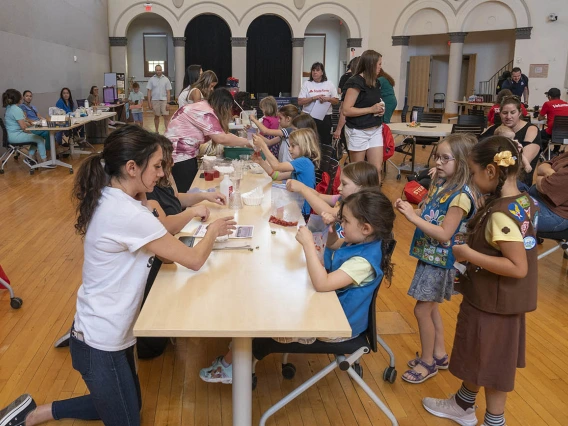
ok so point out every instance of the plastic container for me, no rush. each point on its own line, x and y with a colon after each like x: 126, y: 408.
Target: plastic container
x: 235, y: 152
x: 226, y: 187
x: 254, y: 197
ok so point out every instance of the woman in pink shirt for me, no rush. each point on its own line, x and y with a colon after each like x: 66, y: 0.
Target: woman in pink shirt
x: 196, y: 124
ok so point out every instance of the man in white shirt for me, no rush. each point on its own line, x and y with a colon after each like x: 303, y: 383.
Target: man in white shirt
x: 159, y: 88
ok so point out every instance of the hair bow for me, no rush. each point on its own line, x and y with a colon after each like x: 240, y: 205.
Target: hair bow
x: 505, y: 159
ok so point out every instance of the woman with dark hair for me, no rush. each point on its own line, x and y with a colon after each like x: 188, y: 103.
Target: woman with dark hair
x: 195, y: 124
x: 386, y: 83
x: 66, y: 104
x: 363, y: 110
x: 495, y: 109
x: 192, y: 74
x: 526, y: 134
x: 16, y: 128
x: 319, y: 89
x: 29, y: 109
x: 348, y: 74
x: 121, y: 237
x: 93, y: 97
x: 200, y: 90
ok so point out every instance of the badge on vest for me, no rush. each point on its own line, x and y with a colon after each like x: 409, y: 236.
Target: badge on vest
x: 529, y: 242
x: 525, y: 228
x: 516, y: 211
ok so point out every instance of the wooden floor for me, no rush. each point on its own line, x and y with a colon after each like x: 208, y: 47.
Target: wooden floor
x: 43, y: 257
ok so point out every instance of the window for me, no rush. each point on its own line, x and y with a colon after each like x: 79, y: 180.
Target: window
x: 314, y: 51
x: 155, y: 53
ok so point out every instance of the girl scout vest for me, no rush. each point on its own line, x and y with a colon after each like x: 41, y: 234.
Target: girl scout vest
x: 356, y: 300
x: 430, y: 250
x: 494, y: 293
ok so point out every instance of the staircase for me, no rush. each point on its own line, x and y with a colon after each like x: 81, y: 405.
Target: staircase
x: 487, y: 88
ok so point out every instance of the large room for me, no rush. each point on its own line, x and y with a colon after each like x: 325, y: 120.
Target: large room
x: 301, y: 212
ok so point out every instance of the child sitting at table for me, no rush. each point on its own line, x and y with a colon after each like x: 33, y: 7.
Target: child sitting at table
x: 285, y: 116
x: 305, y: 152
x: 270, y: 120
x: 136, y: 99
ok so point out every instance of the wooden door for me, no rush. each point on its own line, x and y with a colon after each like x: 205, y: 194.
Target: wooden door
x: 470, y: 88
x: 419, y: 81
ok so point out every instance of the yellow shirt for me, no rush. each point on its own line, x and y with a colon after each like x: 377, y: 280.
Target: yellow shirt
x: 463, y: 202
x: 501, y: 227
x: 359, y: 269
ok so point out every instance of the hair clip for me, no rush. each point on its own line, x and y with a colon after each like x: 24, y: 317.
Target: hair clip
x: 505, y: 159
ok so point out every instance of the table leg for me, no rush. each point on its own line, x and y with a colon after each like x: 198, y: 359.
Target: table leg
x: 242, y: 381
x: 54, y: 161
x: 413, y: 154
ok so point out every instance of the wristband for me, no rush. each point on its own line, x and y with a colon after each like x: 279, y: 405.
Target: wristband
x: 275, y: 175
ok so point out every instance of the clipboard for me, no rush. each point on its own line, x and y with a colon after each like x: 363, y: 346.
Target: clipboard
x: 319, y: 110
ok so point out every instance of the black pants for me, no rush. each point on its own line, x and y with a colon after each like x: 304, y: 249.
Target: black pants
x: 184, y: 172
x: 324, y: 130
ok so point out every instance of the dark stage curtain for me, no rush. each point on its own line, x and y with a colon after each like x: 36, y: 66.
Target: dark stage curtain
x: 208, y: 43
x: 269, y: 56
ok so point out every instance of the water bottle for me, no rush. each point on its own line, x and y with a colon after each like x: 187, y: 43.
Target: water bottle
x: 86, y: 103
x: 226, y: 187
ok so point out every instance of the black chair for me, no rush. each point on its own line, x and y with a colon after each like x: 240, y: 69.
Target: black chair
x: 468, y: 128
x: 428, y: 117
x: 526, y: 118
x: 419, y: 110
x: 13, y: 148
x: 473, y: 120
x: 357, y: 347
x: 259, y: 96
x: 497, y: 120
x: 472, y: 111
x: 404, y: 113
x: 328, y: 164
x: 561, y: 239
x: 286, y: 94
x: 81, y: 103
x: 559, y: 134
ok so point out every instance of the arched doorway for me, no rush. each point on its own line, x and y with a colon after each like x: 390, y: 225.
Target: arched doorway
x: 208, y: 43
x: 269, y: 56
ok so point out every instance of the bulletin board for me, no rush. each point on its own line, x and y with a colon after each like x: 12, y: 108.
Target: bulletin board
x: 538, y: 71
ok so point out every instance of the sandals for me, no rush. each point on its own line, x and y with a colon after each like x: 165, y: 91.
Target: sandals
x: 442, y: 363
x: 415, y: 377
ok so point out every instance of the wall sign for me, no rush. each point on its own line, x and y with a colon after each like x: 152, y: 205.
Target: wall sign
x: 538, y: 71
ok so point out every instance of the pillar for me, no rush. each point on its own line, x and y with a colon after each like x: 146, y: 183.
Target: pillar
x: 400, y: 60
x: 353, y: 48
x: 179, y: 55
x: 118, y: 55
x: 297, y: 64
x: 523, y: 45
x: 239, y: 52
x: 454, y: 71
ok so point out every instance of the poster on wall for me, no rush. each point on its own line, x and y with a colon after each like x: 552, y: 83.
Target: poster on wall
x: 538, y: 71
x: 120, y: 85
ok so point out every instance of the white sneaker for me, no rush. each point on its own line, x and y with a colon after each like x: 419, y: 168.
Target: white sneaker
x: 217, y: 373
x: 449, y: 409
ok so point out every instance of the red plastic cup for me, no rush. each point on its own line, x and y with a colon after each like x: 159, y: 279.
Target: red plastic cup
x: 209, y: 176
x: 216, y: 174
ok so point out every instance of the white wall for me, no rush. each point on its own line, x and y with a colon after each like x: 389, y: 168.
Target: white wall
x: 38, y: 40
x: 439, y: 79
x: 334, y: 50
x: 148, y: 23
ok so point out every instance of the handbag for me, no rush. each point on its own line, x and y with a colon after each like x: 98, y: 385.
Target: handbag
x: 414, y: 192
x: 388, y: 143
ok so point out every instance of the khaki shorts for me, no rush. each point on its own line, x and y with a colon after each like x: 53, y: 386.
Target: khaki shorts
x: 160, y: 108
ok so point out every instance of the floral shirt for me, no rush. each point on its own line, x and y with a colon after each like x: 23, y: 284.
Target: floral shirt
x: 191, y: 126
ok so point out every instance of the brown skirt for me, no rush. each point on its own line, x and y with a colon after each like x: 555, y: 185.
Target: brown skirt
x: 488, y: 348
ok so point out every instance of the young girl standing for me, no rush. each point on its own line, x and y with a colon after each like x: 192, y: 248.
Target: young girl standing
x: 305, y: 153
x: 285, y: 116
x: 270, y: 120
x: 498, y: 287
x: 439, y: 226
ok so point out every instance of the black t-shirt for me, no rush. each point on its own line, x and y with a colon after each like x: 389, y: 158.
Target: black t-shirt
x: 368, y: 96
x: 166, y: 198
x: 344, y: 79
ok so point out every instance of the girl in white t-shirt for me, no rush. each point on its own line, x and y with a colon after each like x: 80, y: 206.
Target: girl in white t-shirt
x: 121, y: 237
x: 199, y: 90
x: 319, y: 90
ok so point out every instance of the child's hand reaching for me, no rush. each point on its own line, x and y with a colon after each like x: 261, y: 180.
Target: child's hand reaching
x: 258, y: 141
x: 461, y: 252
x: 293, y: 185
x: 406, y: 209
x: 432, y: 172
x: 304, y: 236
x: 328, y: 218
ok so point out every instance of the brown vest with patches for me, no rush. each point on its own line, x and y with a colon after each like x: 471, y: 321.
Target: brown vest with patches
x: 494, y: 293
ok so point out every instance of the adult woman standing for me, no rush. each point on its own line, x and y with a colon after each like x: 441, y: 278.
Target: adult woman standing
x: 16, y: 127
x: 195, y: 124
x: 363, y: 111
x: 93, y: 97
x: 199, y: 90
x: 386, y: 83
x: 319, y: 89
x: 192, y: 74
x: 526, y: 134
x: 121, y: 237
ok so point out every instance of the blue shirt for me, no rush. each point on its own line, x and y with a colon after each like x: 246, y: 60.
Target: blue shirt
x: 11, y: 117
x: 31, y: 111
x: 517, y: 88
x: 61, y: 105
x: 305, y: 172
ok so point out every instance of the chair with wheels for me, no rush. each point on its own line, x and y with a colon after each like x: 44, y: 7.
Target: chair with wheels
x: 13, y: 148
x: 357, y: 347
x: 15, y: 302
x: 424, y: 141
x: 559, y: 134
x: 561, y: 239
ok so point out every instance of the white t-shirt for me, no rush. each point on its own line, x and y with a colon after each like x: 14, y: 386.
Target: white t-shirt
x: 115, y: 270
x: 311, y: 89
x: 185, y: 94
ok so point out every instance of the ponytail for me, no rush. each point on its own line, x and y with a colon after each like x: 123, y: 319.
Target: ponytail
x: 127, y: 143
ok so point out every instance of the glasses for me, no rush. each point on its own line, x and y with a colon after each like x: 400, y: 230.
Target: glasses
x: 444, y: 159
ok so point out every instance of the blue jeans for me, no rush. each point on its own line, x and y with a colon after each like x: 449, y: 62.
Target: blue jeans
x: 113, y: 384
x: 548, y: 221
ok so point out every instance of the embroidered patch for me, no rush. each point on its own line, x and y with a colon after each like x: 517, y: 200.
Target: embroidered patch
x: 525, y: 227
x: 524, y: 202
x: 529, y: 242
x: 505, y: 230
x: 516, y: 211
x: 444, y: 198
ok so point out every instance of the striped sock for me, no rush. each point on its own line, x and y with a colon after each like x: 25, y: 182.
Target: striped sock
x: 494, y: 419
x: 465, y: 398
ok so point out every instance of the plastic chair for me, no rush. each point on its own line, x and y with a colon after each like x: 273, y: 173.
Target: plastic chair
x: 561, y: 239
x: 357, y: 347
x: 13, y: 148
x: 15, y: 302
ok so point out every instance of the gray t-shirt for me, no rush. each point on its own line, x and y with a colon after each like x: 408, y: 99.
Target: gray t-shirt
x: 159, y: 87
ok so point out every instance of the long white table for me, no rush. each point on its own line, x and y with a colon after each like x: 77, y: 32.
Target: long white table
x: 243, y: 294
x: 431, y: 130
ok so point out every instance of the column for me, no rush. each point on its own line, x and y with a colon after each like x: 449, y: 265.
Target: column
x: 239, y: 53
x: 118, y: 55
x: 454, y: 71
x: 400, y: 61
x: 297, y: 64
x: 353, y: 48
x: 523, y: 45
x: 179, y: 55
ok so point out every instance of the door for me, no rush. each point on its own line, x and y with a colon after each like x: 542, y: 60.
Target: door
x: 470, y: 85
x: 419, y: 81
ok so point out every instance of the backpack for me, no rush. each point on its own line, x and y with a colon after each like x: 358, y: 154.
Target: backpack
x: 388, y: 143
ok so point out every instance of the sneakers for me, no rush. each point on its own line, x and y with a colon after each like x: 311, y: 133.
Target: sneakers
x: 217, y: 373
x: 449, y: 409
x: 15, y: 414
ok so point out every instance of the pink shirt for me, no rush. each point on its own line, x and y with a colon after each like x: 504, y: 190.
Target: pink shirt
x: 190, y: 127
x: 270, y: 122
